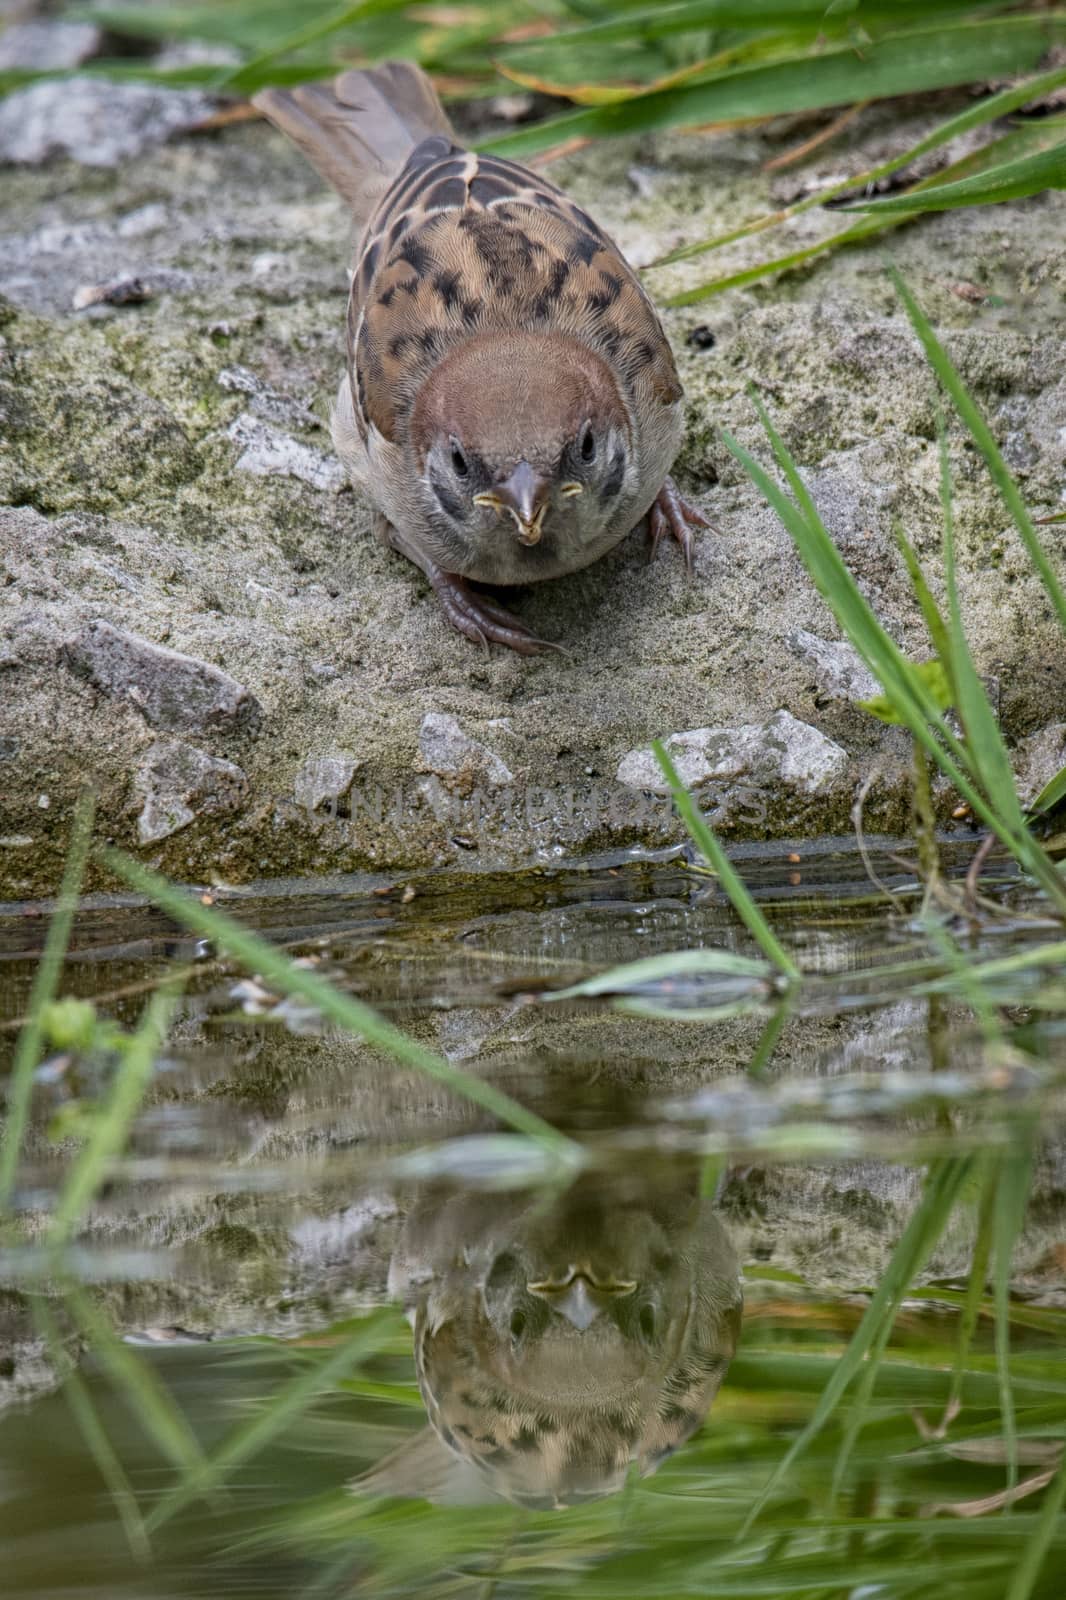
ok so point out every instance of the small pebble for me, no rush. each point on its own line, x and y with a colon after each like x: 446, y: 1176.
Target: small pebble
x: 701, y: 337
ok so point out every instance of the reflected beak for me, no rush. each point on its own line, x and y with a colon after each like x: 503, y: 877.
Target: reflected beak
x: 525, y: 496
x: 579, y: 1297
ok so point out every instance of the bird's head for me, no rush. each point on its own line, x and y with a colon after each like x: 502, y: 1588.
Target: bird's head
x: 523, y: 444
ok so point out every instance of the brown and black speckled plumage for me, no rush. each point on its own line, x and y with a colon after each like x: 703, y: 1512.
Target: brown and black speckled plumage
x: 526, y: 1399
x: 511, y: 404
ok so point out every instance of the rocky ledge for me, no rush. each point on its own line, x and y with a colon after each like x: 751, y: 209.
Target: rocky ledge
x: 193, y: 613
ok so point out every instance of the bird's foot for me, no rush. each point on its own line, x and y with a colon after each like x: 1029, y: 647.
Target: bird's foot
x: 671, y: 513
x: 483, y: 619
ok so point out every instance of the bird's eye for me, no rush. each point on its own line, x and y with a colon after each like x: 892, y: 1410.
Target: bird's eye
x: 588, y: 444
x: 459, y: 461
x: 518, y: 1325
x: 647, y: 1322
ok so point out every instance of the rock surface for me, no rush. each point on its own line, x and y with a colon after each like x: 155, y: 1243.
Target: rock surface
x: 167, y: 472
x: 97, y: 123
x: 180, y: 783
x: 171, y: 691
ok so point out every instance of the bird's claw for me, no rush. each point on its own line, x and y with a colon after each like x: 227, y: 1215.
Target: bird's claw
x: 479, y: 617
x: 672, y: 514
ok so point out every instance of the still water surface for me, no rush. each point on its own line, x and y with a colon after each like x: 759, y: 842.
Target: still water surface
x: 510, y: 1385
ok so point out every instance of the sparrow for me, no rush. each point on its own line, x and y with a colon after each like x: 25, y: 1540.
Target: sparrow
x: 557, y: 1342
x: 511, y: 403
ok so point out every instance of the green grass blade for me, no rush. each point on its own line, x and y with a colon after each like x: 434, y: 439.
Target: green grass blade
x: 344, y: 1010
x: 988, y: 110
x: 252, y: 75
x: 659, y: 22
x: 1050, y: 795
x: 1012, y: 1199
x: 1028, y: 1569
x: 764, y: 1050
x: 1011, y: 180
x: 911, y: 62
x: 985, y: 746
x: 45, y: 982
x: 925, y: 1227
x: 902, y: 683
x: 960, y: 398
x: 252, y: 1436
x: 162, y: 1421
x: 99, y: 1445
x: 656, y: 969
x: 934, y: 621
x: 112, y: 1124
x: 715, y: 856
x: 975, y: 1287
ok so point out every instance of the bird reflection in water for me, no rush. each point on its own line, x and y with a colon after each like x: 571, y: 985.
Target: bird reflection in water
x: 560, y: 1339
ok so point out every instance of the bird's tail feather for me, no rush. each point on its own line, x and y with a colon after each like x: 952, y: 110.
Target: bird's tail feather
x: 359, y: 129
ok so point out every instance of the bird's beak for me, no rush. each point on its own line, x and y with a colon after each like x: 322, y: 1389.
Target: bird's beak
x: 580, y: 1298
x: 525, y: 496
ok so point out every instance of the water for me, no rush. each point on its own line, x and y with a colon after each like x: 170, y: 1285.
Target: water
x: 541, y: 1386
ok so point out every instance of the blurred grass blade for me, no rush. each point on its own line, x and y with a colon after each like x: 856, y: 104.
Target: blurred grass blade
x: 134, y: 1377
x: 1012, y: 1199
x: 943, y: 1185
x: 253, y: 74
x: 657, y: 969
x: 988, y: 753
x: 99, y: 1445
x: 1033, y: 1556
x: 975, y: 1287
x: 343, y: 1009
x: 658, y: 22
x: 715, y: 856
x: 285, y: 1404
x: 989, y: 110
x: 112, y: 1123
x: 982, y: 434
x: 45, y: 983
x: 1012, y: 180
x: 912, y: 62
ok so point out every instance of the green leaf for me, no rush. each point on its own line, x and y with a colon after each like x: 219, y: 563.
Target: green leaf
x: 912, y: 62
x: 1050, y: 795
x: 935, y: 680
x: 1012, y: 180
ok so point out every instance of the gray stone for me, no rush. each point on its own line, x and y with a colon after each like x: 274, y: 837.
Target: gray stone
x: 782, y: 751
x: 47, y: 46
x: 265, y: 401
x: 97, y: 123
x: 270, y: 454
x: 1038, y: 759
x: 323, y: 779
x: 179, y: 783
x: 174, y: 692
x: 452, y: 755
x: 841, y: 671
